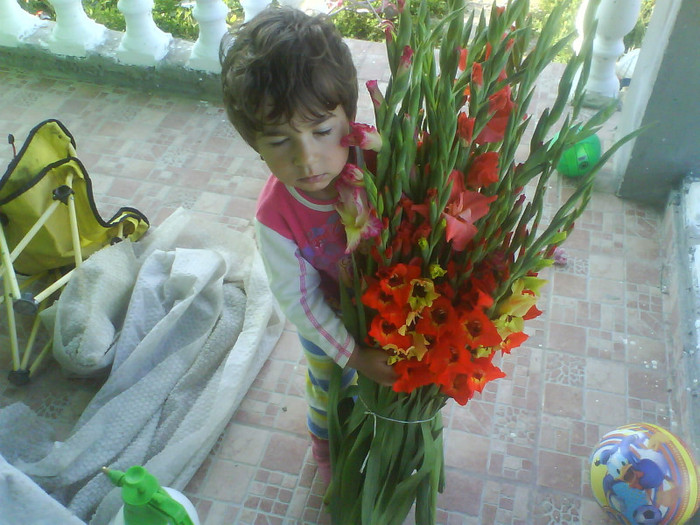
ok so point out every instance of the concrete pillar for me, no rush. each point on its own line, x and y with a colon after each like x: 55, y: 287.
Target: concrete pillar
x: 664, y: 94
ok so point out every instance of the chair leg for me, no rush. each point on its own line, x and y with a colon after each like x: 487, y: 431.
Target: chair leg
x: 77, y: 248
x: 16, y: 376
x: 32, y: 337
x: 40, y: 357
x: 38, y: 225
x: 8, y: 273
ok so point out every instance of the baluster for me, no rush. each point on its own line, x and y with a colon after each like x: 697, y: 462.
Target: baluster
x: 211, y: 17
x: 16, y: 23
x: 615, y: 18
x: 253, y: 7
x: 143, y: 43
x: 74, y: 33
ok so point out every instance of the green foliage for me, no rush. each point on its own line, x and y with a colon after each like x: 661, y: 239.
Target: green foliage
x: 359, y: 20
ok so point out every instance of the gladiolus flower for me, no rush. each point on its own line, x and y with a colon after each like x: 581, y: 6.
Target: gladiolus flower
x: 465, y: 128
x: 500, y: 106
x: 422, y: 294
x: 484, y: 170
x: 374, y: 93
x: 463, y: 53
x: 389, y: 30
x: 477, y: 74
x: 387, y: 335
x: 362, y: 135
x: 463, y: 209
x: 405, y: 61
x: 359, y: 220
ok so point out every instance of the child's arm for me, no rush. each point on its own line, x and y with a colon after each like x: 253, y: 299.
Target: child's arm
x: 296, y: 286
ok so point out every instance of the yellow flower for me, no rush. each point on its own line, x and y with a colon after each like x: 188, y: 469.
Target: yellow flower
x: 524, y: 295
x: 422, y: 294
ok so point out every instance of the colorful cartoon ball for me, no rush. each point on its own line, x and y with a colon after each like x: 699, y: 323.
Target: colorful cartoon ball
x: 643, y: 474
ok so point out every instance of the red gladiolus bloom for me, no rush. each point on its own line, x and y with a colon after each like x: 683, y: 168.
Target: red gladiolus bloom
x: 480, y: 329
x: 397, y: 281
x: 532, y: 313
x: 484, y: 170
x: 513, y: 341
x: 377, y: 298
x: 412, y: 374
x: 462, y: 210
x: 458, y: 387
x: 386, y: 334
x: 438, y: 318
x: 477, y: 74
x: 465, y: 128
x: 501, y: 106
x: 463, y: 52
x: 484, y: 372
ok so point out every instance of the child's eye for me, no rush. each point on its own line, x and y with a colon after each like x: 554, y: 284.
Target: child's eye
x: 324, y: 131
x: 277, y: 142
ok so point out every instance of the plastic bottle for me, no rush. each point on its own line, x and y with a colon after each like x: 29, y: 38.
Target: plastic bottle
x: 147, y: 503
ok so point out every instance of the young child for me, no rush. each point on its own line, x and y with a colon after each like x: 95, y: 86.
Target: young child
x: 290, y: 90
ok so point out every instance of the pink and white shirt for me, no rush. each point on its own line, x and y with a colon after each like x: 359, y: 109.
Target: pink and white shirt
x: 302, y: 243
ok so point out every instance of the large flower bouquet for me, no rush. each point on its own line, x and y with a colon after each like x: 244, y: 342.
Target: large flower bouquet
x: 448, y: 233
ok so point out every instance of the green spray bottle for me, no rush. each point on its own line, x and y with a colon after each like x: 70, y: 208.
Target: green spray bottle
x: 147, y: 503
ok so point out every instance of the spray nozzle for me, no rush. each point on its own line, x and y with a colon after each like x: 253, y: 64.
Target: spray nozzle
x: 144, y: 499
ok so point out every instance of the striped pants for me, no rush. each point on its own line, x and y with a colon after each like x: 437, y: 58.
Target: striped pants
x: 319, y: 369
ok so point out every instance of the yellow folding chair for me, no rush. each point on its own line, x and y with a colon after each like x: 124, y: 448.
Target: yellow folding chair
x: 48, y: 225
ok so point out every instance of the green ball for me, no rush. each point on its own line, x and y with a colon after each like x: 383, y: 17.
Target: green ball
x: 579, y: 159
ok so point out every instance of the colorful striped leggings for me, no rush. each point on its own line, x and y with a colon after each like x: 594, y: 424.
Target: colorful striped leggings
x: 319, y: 369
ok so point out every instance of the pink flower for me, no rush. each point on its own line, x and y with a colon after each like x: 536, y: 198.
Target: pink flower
x: 374, y: 93
x: 362, y: 135
x: 359, y: 219
x: 463, y: 209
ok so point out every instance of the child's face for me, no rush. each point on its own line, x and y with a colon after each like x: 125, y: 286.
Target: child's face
x: 307, y: 154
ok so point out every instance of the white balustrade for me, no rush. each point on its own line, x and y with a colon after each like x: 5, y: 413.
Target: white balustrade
x: 253, y: 7
x: 16, y: 23
x: 211, y: 17
x: 74, y: 33
x: 615, y: 18
x: 143, y: 44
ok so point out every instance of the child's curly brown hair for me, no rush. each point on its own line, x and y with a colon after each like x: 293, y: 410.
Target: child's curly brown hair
x: 284, y: 63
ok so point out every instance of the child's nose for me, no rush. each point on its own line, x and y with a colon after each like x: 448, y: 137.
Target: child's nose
x: 304, y: 156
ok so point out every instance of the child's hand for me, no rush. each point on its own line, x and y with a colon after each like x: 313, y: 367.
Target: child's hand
x: 372, y: 363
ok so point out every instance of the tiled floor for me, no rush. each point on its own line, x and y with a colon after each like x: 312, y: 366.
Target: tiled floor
x: 518, y: 454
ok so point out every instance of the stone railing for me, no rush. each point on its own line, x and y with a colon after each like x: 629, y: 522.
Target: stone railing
x: 74, y: 34
x: 144, y: 44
